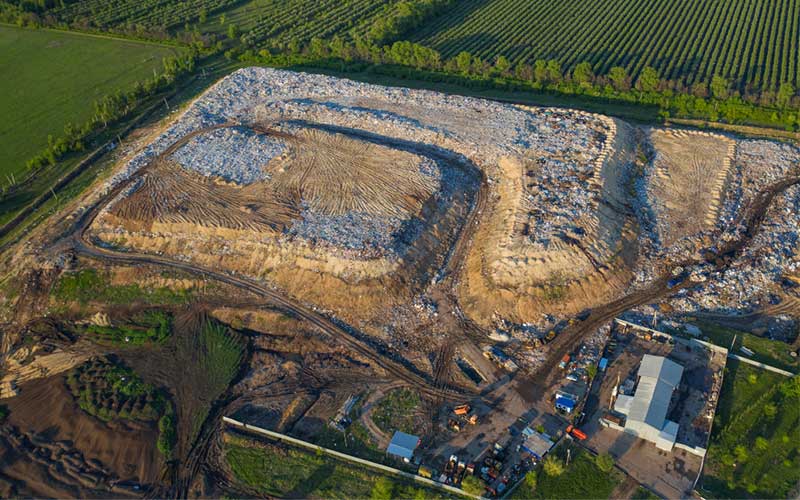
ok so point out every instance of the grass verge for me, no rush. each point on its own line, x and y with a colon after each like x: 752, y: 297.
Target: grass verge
x: 755, y: 446
x: 288, y: 472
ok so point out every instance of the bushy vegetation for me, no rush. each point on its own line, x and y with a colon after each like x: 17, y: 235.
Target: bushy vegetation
x: 222, y: 352
x: 396, y: 411
x: 108, y: 390
x: 585, y: 477
x: 413, y: 61
x: 91, y: 285
x: 148, y: 327
x: 219, y: 353
x: 290, y: 472
x: 755, y: 445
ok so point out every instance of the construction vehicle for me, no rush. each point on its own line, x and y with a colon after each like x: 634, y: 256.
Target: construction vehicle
x: 576, y: 433
x: 473, y: 419
x: 461, y: 409
x: 453, y: 425
x: 424, y: 472
x: 550, y: 335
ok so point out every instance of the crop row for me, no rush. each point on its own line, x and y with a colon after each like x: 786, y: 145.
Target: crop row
x: 301, y: 20
x: 751, y: 42
x: 149, y: 13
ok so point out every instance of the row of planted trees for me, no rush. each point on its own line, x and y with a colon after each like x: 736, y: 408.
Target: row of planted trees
x: 714, y: 100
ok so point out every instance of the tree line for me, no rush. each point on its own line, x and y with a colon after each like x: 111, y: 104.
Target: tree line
x: 716, y: 100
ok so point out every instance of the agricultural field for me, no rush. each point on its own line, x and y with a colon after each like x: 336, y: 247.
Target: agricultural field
x: 52, y: 78
x: 257, y: 22
x: 754, y: 450
x: 752, y: 43
x: 277, y: 23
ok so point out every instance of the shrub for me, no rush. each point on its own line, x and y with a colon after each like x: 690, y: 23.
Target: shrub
x: 605, y: 462
x: 472, y: 485
x: 553, y: 466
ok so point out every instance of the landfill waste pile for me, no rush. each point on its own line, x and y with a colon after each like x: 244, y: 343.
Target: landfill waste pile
x: 331, y: 189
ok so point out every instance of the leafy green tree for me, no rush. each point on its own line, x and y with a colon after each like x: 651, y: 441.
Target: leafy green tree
x: 540, y: 72
x: 502, y: 66
x: 605, y: 462
x: 619, y: 78
x: 233, y: 31
x: 741, y: 453
x: 531, y: 480
x: 523, y: 72
x: 770, y: 410
x: 553, y: 467
x: 222, y: 20
x: 383, y: 489
x: 719, y: 87
x: 464, y: 62
x: 791, y: 389
x: 700, y: 89
x: 583, y: 74
x: 472, y: 485
x: 554, y: 71
x: 648, y: 80
x: 762, y: 444
x: 203, y: 16
x: 591, y: 370
x: 785, y: 93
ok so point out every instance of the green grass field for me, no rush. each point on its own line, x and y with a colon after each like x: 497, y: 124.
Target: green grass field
x: 295, y: 473
x: 52, y: 78
x: 581, y: 479
x: 754, y: 450
x: 771, y: 352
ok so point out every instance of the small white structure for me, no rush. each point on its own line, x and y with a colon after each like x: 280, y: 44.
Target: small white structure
x: 646, y: 411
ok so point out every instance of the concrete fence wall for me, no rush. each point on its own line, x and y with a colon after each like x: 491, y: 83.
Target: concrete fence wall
x: 711, y: 346
x: 761, y: 365
x: 349, y: 458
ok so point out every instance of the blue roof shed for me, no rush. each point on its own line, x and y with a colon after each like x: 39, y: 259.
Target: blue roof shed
x: 403, y: 445
x: 565, y: 404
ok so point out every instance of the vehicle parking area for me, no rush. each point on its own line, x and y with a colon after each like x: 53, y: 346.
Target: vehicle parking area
x: 671, y: 474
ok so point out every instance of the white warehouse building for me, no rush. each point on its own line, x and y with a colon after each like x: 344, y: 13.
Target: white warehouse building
x: 646, y: 411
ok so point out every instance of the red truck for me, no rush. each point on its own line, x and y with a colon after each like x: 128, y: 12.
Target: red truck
x: 576, y: 433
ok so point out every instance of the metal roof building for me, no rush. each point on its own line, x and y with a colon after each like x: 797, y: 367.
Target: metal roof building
x: 403, y: 445
x: 646, y: 411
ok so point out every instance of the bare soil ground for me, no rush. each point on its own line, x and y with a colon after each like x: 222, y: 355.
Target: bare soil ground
x: 45, y: 410
x: 688, y: 182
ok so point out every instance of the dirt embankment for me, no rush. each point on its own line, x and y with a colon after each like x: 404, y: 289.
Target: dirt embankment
x: 589, y: 261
